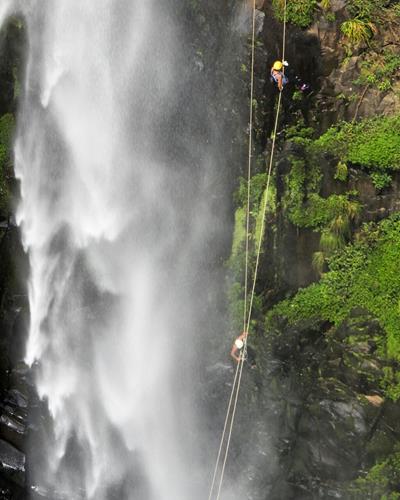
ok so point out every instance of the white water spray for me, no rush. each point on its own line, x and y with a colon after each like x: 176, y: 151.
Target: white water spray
x: 113, y: 238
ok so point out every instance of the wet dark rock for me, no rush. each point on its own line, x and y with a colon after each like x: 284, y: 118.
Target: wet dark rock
x: 21, y: 379
x: 12, y: 463
x: 319, y: 389
x: 16, y: 398
x: 12, y: 430
x: 259, y: 21
x: 13, y: 423
x: 13, y: 418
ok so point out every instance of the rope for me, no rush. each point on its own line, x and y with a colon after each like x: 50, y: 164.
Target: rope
x: 246, y: 273
x: 223, y: 435
x: 284, y: 34
x: 236, y: 388
x: 264, y: 210
x: 233, y: 400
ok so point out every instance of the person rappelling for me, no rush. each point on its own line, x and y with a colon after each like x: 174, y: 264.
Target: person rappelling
x: 278, y: 76
x: 238, y: 352
x: 237, y: 348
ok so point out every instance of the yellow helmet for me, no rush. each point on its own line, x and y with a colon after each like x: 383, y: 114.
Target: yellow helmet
x: 278, y: 65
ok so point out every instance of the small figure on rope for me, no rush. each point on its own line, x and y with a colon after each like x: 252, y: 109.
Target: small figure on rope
x: 236, y: 351
x: 278, y: 76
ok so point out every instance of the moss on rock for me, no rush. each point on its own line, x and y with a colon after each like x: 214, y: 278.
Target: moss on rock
x: 364, y: 275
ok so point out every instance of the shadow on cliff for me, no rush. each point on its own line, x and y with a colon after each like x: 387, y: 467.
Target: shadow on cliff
x: 303, y: 53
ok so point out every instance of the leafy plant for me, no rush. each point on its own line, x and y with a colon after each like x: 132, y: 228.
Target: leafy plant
x: 330, y: 241
x: 297, y: 95
x: 258, y: 183
x: 361, y: 275
x: 340, y: 225
x: 330, y: 17
x: 358, y: 31
x: 373, y: 143
x: 7, y: 123
x: 320, y: 213
x: 318, y: 262
x: 299, y: 12
x: 341, y: 171
x: 366, y: 9
x: 381, y: 180
x: 236, y: 261
x: 239, y: 237
x: 6, y: 133
x: 381, y: 481
x: 391, y: 382
x: 378, y: 70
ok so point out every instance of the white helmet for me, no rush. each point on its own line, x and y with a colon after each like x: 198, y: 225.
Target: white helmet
x: 239, y: 343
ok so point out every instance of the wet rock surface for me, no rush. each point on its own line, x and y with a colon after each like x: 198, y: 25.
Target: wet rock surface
x: 15, y: 378
x: 14, y: 407
x: 321, y: 393
x: 12, y: 463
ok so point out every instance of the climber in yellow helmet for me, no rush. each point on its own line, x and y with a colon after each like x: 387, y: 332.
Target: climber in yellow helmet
x: 278, y: 74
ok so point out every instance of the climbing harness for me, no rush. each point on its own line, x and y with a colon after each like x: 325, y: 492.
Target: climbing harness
x: 222, y: 456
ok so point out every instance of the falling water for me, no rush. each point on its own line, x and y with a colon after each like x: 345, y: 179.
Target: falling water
x: 117, y: 159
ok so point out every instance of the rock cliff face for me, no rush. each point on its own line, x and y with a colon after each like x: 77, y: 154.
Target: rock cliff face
x: 320, y: 399
x: 331, y: 419
x: 14, y: 376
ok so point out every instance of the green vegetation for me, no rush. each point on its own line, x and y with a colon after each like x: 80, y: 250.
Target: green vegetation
x: 299, y: 134
x: 378, y: 70
x: 6, y: 132
x: 381, y: 481
x: 318, y: 262
x: 258, y: 183
x: 236, y: 262
x: 299, y: 12
x: 358, y: 279
x: 381, y: 180
x: 372, y: 143
x: 361, y: 28
x: 391, y: 382
x: 320, y: 213
x: 341, y: 171
x: 362, y: 275
x: 297, y: 95
x: 331, y: 216
x: 300, y: 182
x: 366, y: 10
x: 330, y: 17
x: 358, y: 31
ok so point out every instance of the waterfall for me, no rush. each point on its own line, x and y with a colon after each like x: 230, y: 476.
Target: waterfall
x: 120, y: 163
